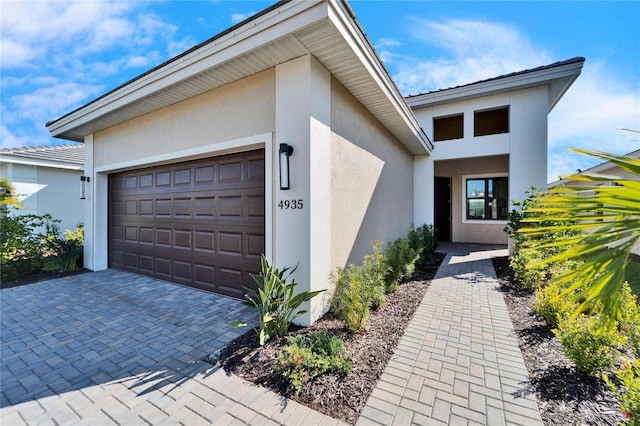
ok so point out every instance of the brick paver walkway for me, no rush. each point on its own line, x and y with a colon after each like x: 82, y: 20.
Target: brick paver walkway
x: 458, y: 362
x: 110, y: 347
x: 117, y: 348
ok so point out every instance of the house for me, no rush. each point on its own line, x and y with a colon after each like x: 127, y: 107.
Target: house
x: 605, y: 169
x: 47, y: 180
x: 285, y: 135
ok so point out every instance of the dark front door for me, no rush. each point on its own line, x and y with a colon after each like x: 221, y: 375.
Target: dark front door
x: 442, y: 194
x: 199, y: 223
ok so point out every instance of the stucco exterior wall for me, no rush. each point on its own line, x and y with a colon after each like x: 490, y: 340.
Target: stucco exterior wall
x: 47, y: 190
x: 520, y: 154
x: 243, y: 108
x: 371, y: 181
x: 463, y: 231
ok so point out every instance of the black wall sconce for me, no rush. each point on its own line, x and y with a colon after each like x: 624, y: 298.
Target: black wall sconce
x: 83, y: 182
x: 285, y: 152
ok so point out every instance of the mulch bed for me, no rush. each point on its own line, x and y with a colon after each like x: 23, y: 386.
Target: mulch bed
x: 565, y: 396
x: 339, y: 396
x: 40, y: 276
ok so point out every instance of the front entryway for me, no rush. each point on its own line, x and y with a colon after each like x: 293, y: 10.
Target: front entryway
x: 442, y: 201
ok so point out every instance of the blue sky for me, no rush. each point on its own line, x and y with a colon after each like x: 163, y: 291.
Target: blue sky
x: 58, y: 55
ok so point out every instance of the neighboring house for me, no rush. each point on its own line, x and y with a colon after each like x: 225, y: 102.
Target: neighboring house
x: 188, y: 162
x: 47, y: 181
x: 606, y: 169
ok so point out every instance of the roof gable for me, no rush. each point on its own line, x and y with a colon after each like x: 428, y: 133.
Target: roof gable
x: 287, y: 30
x: 559, y: 76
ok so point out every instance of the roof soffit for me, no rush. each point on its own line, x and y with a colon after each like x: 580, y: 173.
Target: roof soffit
x: 323, y: 29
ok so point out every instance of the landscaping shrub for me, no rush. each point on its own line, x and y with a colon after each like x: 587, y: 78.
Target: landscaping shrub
x: 67, y: 251
x: 551, y: 306
x: 589, y: 343
x: 358, y: 289
x: 423, y: 240
x: 274, y: 301
x: 629, y: 319
x: 24, y: 244
x: 401, y: 258
x: 628, y: 392
x: 308, y: 356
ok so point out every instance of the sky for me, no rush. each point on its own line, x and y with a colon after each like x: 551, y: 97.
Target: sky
x: 56, y: 56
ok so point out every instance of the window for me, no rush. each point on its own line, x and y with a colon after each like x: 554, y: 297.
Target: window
x: 487, y: 198
x: 491, y: 122
x: 447, y: 128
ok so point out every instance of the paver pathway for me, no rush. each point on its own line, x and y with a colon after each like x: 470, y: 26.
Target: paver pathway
x: 458, y: 362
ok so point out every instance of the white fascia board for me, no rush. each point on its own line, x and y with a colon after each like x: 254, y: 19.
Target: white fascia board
x: 262, y: 30
x: 506, y: 84
x: 345, y: 25
x: 37, y: 162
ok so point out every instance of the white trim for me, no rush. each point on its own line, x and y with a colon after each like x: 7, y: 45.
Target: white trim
x: 8, y: 158
x: 464, y: 198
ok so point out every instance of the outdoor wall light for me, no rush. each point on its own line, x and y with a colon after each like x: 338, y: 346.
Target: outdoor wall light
x: 83, y: 182
x: 285, y: 152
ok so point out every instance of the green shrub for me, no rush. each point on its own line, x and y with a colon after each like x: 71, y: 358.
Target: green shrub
x: 628, y: 393
x: 274, y: 301
x: 352, y: 298
x: 358, y: 289
x: 629, y: 319
x: 423, y: 240
x: 402, y: 260
x: 67, y: 251
x: 550, y: 306
x: 24, y: 244
x: 308, y: 356
x: 587, y: 342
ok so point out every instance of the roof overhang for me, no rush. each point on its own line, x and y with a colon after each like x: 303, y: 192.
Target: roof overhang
x: 558, y: 79
x: 40, y: 162
x: 325, y: 29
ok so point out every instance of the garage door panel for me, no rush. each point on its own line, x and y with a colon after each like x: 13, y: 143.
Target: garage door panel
x: 199, y: 223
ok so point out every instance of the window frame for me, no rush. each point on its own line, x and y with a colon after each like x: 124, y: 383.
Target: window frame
x: 445, y: 117
x: 485, y: 177
x: 506, y: 108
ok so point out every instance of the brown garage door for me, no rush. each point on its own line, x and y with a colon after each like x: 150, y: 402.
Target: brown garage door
x: 199, y: 223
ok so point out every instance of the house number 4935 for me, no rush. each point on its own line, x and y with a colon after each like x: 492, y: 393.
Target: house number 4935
x: 290, y: 204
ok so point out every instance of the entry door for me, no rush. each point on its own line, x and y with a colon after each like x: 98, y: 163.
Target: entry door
x: 442, y: 194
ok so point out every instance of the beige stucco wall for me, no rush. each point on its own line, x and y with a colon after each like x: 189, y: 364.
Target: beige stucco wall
x: 371, y: 181
x: 243, y: 108
x: 489, y: 232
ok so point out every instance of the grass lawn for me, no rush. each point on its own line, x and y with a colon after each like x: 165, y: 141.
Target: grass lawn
x: 633, y: 274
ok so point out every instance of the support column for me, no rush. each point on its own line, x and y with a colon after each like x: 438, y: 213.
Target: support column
x: 303, y: 234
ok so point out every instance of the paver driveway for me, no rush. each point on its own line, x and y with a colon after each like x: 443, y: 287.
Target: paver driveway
x: 112, y: 347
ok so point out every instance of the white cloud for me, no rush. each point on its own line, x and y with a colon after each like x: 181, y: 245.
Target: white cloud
x: 590, y: 116
x: 387, y: 42
x: 475, y: 50
x: 239, y: 17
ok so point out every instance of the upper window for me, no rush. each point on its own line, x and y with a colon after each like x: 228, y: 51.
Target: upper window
x: 487, y: 198
x: 447, y: 128
x: 491, y: 121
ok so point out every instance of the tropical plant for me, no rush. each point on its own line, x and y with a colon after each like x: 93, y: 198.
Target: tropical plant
x: 606, y: 214
x: 274, y: 300
x: 311, y: 355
